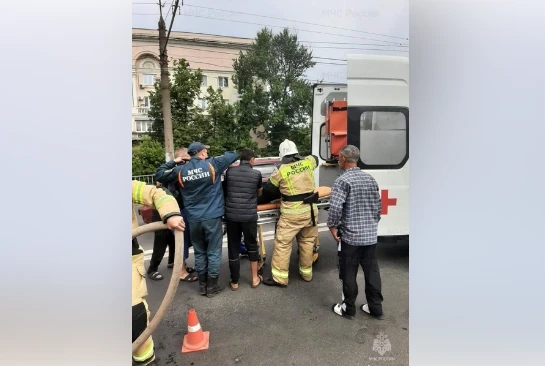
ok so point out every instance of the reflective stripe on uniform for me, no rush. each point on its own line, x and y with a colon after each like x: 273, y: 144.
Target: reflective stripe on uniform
x: 284, y: 172
x: 213, y: 172
x: 180, y: 179
x: 148, y: 352
x: 138, y: 193
x: 162, y: 201
x: 305, y: 166
x: 279, y: 274
x: 273, y: 182
x: 304, y: 209
x: 305, y: 271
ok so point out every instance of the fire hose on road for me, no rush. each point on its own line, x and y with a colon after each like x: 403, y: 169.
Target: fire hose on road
x: 174, y: 280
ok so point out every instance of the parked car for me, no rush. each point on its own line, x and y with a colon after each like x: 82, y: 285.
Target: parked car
x: 264, y: 165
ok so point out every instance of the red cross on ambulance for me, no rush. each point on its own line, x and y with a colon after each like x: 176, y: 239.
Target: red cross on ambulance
x: 386, y: 201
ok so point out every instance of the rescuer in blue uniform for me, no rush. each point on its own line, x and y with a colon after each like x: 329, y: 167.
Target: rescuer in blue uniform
x: 199, y: 182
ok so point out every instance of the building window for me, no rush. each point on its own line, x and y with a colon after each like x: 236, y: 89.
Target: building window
x: 146, y: 102
x: 204, y: 81
x: 143, y: 126
x: 203, y: 103
x: 383, y: 138
x: 148, y: 79
x: 223, y: 82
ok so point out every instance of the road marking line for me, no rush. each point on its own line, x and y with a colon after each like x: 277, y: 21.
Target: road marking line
x: 147, y: 253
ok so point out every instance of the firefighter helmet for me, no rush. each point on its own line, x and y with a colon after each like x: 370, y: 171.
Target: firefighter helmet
x: 287, y: 147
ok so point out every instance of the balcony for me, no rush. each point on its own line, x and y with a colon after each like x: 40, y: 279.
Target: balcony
x: 140, y: 111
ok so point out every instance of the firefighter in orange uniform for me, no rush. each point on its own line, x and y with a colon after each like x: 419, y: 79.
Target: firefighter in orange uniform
x: 294, y: 180
x: 169, y: 211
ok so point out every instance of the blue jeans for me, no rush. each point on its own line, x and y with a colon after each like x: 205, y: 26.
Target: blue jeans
x: 206, y: 237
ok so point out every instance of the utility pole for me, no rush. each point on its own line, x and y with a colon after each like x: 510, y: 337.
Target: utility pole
x: 165, y: 91
x: 165, y: 80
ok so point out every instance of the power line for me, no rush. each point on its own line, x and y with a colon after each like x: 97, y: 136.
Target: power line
x: 236, y: 54
x: 278, y: 26
x: 325, y: 47
x: 230, y: 67
x: 296, y: 21
x: 297, y: 29
x: 364, y: 49
x: 283, y: 19
x: 170, y: 28
x: 351, y: 43
x: 169, y: 9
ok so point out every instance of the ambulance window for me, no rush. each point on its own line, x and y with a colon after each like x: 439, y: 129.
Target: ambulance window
x: 324, y: 151
x: 383, y: 138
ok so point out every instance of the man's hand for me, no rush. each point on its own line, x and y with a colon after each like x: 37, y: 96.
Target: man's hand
x: 334, y: 234
x: 180, y: 159
x: 176, y: 223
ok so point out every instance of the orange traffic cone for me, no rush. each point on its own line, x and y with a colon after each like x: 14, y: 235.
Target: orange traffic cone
x: 195, y: 339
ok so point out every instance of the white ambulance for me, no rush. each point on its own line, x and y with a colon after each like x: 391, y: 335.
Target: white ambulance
x: 371, y: 112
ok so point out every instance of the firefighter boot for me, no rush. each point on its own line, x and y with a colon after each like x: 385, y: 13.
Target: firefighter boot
x: 203, y: 280
x: 213, y: 288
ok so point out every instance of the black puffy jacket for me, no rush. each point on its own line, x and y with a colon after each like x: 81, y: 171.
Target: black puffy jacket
x: 241, y: 184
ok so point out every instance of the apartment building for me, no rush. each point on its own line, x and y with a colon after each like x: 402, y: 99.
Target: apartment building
x: 213, y: 54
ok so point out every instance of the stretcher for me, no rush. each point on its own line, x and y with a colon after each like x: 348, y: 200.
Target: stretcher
x: 269, y: 213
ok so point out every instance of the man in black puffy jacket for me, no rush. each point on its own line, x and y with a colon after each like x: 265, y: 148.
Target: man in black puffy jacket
x: 243, y: 185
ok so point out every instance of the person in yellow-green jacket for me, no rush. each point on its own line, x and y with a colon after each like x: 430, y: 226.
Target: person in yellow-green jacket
x: 166, y: 205
x: 294, y: 181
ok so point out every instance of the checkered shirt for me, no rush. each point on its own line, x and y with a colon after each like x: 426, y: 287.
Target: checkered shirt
x: 355, y: 207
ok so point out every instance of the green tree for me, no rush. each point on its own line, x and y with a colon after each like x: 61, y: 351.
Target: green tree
x: 226, y: 133
x: 187, y: 124
x: 269, y: 78
x: 147, y: 156
x: 216, y: 126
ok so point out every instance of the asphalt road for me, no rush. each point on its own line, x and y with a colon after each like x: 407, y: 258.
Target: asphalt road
x: 292, y: 326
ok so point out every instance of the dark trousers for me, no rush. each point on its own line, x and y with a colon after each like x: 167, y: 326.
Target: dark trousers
x: 206, y: 237
x: 162, y: 239
x: 350, y: 258
x: 234, y: 235
x: 187, y: 234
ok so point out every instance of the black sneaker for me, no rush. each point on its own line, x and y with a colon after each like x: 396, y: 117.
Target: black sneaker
x: 270, y: 282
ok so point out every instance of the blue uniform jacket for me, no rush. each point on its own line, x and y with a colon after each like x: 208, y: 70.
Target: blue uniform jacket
x: 199, y: 182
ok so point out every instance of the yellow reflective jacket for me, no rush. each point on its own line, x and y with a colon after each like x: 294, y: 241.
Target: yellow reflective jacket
x: 145, y: 194
x: 294, y: 178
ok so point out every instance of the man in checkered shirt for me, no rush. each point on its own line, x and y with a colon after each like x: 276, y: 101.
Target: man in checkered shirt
x: 354, y: 213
